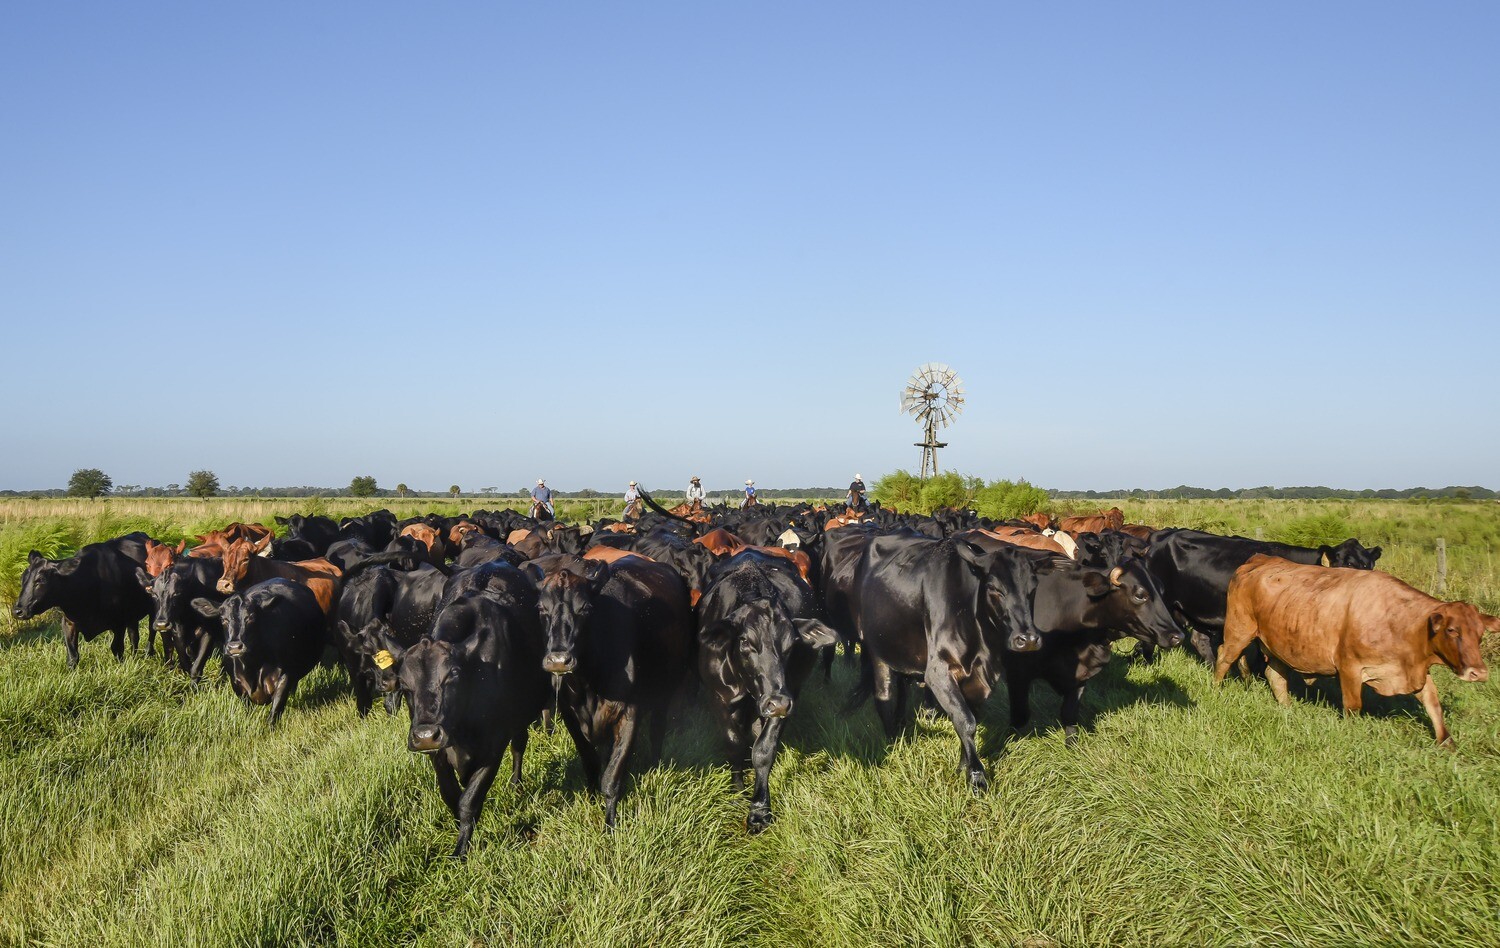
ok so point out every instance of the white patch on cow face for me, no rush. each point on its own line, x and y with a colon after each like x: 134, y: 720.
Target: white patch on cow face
x: 790, y: 540
x: 1069, y: 545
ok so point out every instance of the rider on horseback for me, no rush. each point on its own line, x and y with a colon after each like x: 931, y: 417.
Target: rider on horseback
x: 541, y: 499
x: 632, y: 503
x: 749, y: 500
x: 857, y: 493
x: 695, y: 495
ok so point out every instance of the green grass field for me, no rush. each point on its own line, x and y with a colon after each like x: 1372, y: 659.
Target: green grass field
x: 137, y: 809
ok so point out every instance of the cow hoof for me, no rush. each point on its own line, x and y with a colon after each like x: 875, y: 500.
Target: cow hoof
x: 1448, y: 743
x: 757, y: 821
x: 979, y: 783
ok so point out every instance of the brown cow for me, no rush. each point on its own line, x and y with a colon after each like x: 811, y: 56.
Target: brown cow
x: 161, y: 556
x: 1365, y: 627
x: 461, y: 530
x: 1042, y: 521
x: 243, y: 568
x: 1019, y: 536
x: 214, y: 542
x: 1111, y: 519
x: 721, y: 542
x: 431, y: 540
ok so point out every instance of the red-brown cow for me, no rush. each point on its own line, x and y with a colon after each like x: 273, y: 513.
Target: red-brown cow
x: 721, y: 543
x: 161, y: 556
x: 1364, y: 627
x: 243, y: 568
x: 1111, y: 519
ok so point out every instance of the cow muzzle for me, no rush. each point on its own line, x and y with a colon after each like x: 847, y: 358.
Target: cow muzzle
x: 559, y: 663
x: 1025, y: 641
x: 776, y: 706
x: 161, y: 626
x: 1475, y: 674
x: 234, y: 649
x: 426, y: 739
x: 224, y: 586
x: 18, y: 611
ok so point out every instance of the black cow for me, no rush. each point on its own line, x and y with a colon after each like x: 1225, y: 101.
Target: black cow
x: 474, y: 687
x: 1195, y: 568
x: 195, y: 632
x: 757, y: 643
x: 96, y: 590
x: 274, y: 633
x: 618, y: 643
x: 306, y: 537
x: 944, y: 610
x: 400, y: 603
x: 1079, y: 612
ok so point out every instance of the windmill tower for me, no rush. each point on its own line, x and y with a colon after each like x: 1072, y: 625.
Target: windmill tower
x: 934, y: 395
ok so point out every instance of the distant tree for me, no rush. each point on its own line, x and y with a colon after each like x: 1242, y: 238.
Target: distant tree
x: 363, y: 486
x: 401, y: 490
x: 453, y: 491
x: 89, y: 482
x: 173, y: 488
x: 203, y: 483
x: 1463, y: 493
x: 488, y: 490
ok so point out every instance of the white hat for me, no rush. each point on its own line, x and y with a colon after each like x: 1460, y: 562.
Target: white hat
x: 749, y: 481
x: 858, y: 477
x: 539, y: 480
x: 632, y: 483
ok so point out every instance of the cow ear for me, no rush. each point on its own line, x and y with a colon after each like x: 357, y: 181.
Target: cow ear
x: 1374, y: 554
x: 35, y: 558
x: 205, y: 608
x: 68, y: 566
x: 1491, y: 623
x: 1096, y: 585
x: 144, y: 578
x: 181, y: 545
x: 716, y: 635
x: 816, y: 633
x: 1435, y: 623
x: 974, y: 555
x: 597, y: 573
x: 1323, y: 557
x: 536, y: 573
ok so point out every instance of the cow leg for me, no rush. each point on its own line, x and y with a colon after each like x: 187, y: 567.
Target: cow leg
x: 1072, y: 702
x: 447, y: 782
x: 737, y: 736
x: 364, y: 693
x: 1429, y: 698
x: 549, y: 721
x: 134, y: 631
x: 885, y: 701
x: 70, y: 641
x: 470, y: 804
x: 117, y: 644
x: 284, y: 685
x: 1237, y: 638
x: 1203, y: 645
x: 1276, y: 675
x: 195, y: 672
x: 1352, y: 683
x: 393, y: 703
x: 587, y: 756
x: 761, y: 758
x: 951, y: 698
x: 619, y: 756
x: 151, y: 640
x: 517, y: 750
x: 1145, y: 652
x: 1018, y: 686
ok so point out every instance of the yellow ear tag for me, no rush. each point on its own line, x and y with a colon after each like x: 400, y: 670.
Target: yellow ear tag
x: 383, y: 659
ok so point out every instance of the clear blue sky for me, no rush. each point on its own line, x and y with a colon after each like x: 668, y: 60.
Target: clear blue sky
x: 1219, y: 244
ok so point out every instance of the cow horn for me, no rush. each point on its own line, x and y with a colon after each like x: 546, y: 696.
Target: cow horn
x: 1115, y: 574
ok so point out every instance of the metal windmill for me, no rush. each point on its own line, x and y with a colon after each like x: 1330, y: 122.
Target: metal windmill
x: 934, y: 395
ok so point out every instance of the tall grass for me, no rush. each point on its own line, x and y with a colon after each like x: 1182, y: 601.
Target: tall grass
x: 137, y: 809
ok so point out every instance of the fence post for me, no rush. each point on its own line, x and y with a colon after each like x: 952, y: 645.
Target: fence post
x: 1442, y: 566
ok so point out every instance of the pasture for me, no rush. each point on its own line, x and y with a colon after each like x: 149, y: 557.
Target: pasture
x: 138, y: 809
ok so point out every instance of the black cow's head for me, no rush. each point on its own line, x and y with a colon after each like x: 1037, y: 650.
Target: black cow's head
x: 42, y: 584
x: 755, y: 643
x: 239, y: 626
x: 434, y: 677
x: 1005, y: 600
x: 566, y: 594
x: 1133, y: 601
x: 1350, y: 554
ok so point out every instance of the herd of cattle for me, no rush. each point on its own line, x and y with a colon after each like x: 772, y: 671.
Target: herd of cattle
x: 487, y: 622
